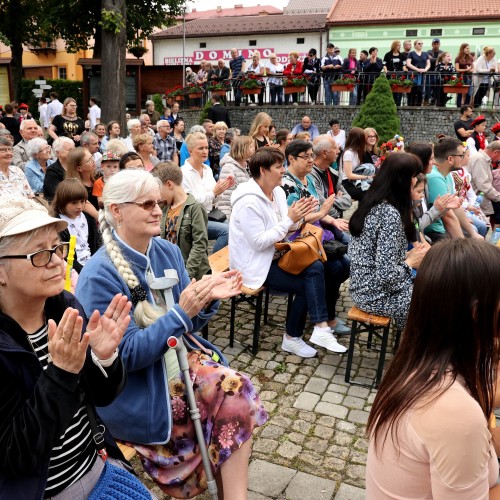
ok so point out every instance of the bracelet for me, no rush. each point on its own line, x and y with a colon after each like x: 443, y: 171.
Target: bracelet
x: 103, y: 363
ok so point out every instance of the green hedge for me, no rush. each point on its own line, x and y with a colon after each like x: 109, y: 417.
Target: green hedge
x: 65, y: 88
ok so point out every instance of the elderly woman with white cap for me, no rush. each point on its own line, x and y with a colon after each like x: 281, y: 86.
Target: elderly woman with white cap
x: 54, y: 366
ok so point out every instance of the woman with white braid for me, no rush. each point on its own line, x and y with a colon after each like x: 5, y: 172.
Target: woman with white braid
x: 151, y: 413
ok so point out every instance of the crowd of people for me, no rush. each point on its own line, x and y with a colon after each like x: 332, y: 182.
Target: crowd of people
x: 143, y: 209
x: 428, y: 69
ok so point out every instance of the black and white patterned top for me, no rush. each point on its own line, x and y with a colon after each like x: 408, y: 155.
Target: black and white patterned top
x: 74, y: 453
x: 381, y: 282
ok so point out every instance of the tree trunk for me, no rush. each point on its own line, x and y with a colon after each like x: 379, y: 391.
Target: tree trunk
x: 17, y: 68
x: 113, y: 73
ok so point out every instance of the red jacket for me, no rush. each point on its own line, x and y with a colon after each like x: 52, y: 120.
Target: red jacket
x: 289, y: 70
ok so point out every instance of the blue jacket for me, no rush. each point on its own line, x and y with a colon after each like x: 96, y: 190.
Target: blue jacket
x: 142, y: 413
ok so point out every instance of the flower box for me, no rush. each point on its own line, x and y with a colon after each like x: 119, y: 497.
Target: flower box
x: 456, y: 89
x: 220, y: 92
x: 179, y: 97
x: 195, y: 95
x: 341, y: 88
x: 401, y: 89
x: 292, y: 89
x: 251, y: 91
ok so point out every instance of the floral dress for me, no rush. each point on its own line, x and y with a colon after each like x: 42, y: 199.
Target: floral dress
x: 229, y: 409
x: 381, y: 282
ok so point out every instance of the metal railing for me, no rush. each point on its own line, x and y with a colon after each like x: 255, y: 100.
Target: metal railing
x: 427, y: 89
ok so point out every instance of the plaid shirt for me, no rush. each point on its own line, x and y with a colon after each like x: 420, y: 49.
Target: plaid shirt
x: 166, y: 149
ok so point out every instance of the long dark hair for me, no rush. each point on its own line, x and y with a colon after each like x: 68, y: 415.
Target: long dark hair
x: 453, y: 326
x: 392, y: 184
x: 356, y: 142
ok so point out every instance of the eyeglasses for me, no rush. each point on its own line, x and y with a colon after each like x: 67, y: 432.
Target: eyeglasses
x: 461, y: 156
x: 6, y: 150
x: 420, y: 43
x: 43, y: 257
x: 307, y: 157
x: 371, y: 136
x: 148, y: 205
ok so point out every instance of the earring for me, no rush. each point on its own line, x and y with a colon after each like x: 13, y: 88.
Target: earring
x: 119, y: 223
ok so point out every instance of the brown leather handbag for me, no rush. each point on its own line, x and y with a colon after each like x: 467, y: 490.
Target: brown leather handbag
x: 305, y: 249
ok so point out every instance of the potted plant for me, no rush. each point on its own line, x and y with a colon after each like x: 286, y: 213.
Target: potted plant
x: 400, y: 84
x: 293, y: 84
x: 219, y: 88
x: 251, y: 85
x: 454, y: 84
x: 175, y: 94
x: 138, y: 51
x: 344, y: 84
x: 193, y: 90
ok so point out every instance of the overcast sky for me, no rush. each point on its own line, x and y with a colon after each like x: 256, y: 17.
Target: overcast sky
x: 213, y: 4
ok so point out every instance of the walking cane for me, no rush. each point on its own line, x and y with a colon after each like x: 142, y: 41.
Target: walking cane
x: 182, y: 358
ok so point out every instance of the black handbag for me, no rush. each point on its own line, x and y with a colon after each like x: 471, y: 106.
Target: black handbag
x: 216, y: 215
x: 335, y: 249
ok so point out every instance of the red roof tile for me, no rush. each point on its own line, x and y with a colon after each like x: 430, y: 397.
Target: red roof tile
x: 245, y: 25
x: 235, y: 11
x: 390, y: 12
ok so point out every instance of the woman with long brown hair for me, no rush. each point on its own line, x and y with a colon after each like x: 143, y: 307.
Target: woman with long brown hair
x: 81, y: 165
x: 428, y: 426
x: 464, y: 63
x: 353, y: 156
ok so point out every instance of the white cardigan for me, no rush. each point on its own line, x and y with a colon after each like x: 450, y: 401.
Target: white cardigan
x: 254, y: 229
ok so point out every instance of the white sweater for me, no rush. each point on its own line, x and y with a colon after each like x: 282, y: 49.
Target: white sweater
x: 254, y: 229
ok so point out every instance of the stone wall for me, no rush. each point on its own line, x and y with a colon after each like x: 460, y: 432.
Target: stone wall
x: 417, y: 124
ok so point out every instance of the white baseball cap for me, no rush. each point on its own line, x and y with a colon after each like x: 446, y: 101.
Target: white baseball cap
x: 21, y: 215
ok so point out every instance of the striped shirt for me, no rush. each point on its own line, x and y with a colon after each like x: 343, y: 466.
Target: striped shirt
x: 74, y: 454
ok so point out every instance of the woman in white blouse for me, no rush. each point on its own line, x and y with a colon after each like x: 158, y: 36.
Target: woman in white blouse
x: 198, y: 180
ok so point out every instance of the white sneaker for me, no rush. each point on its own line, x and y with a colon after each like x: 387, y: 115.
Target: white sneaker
x: 324, y: 337
x: 297, y: 346
x: 295, y: 103
x: 252, y: 105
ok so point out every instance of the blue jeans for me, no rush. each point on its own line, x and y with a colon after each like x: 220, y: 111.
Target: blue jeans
x: 480, y: 225
x: 218, y: 231
x: 276, y: 92
x: 328, y: 92
x: 310, y: 294
x: 467, y: 97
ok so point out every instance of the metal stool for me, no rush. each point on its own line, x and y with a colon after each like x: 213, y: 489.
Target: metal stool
x: 374, y: 325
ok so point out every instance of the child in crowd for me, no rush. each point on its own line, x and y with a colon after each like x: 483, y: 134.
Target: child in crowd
x: 68, y: 203
x: 184, y: 220
x: 110, y: 166
x: 463, y: 187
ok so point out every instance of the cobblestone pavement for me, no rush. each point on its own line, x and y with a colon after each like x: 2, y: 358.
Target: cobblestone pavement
x: 314, y: 444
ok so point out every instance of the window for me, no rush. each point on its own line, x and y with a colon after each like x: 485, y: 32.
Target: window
x: 411, y: 33
x: 61, y: 73
x: 437, y: 32
x: 203, y: 45
x: 478, y: 31
x: 301, y: 40
x: 252, y: 43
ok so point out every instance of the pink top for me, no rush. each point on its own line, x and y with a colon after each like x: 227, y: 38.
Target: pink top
x: 445, y: 452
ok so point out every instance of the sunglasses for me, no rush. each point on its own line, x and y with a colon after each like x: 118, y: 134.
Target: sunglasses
x: 148, y: 205
x: 43, y: 257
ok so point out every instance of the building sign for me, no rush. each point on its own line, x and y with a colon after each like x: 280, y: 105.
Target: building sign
x: 214, y: 55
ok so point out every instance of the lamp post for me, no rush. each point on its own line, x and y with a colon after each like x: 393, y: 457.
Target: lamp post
x: 185, y: 9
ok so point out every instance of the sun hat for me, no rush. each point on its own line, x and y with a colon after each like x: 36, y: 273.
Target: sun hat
x: 21, y: 215
x: 110, y: 156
